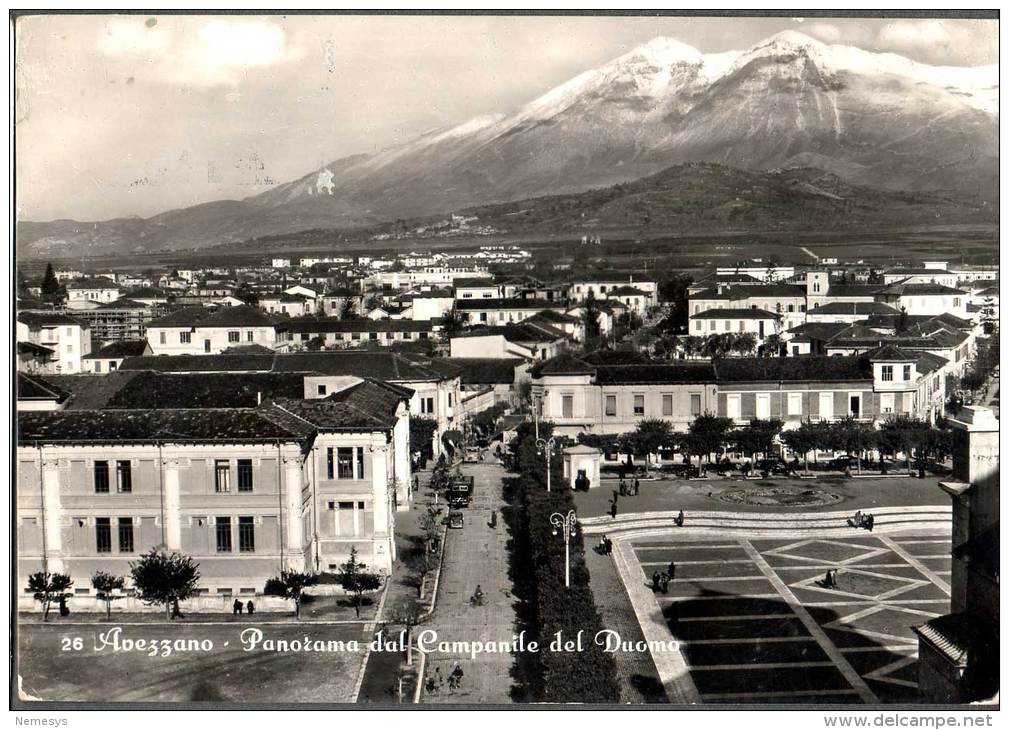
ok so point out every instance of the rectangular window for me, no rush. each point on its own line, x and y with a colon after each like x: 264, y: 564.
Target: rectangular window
x: 886, y: 373
x: 855, y: 406
x: 248, y: 336
x: 886, y: 402
x: 112, y: 365
x: 639, y: 405
x: 763, y: 406
x: 103, y: 535
x: 795, y: 404
x: 185, y: 337
x: 163, y: 337
x: 222, y: 475
x: 223, y: 531
x: 611, y: 405
x: 344, y: 462
x: 245, y: 475
x: 101, y: 477
x: 98, y: 366
x: 360, y: 462
x: 373, y: 335
x: 695, y: 404
x: 826, y: 406
x: 907, y: 372
x: 321, y: 389
x: 667, y: 404
x: 234, y: 336
x: 732, y: 406
x: 206, y: 345
x: 329, y: 463
x: 567, y: 405
x: 126, y: 534
x: 427, y: 405
x: 124, y: 476
x: 246, y: 534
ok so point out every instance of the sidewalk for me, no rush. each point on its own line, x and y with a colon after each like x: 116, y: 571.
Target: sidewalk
x: 475, y: 555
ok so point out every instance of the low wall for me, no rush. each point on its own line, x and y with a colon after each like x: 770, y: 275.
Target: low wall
x: 130, y: 604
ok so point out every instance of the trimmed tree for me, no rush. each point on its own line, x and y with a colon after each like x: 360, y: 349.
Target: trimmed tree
x: 407, y: 612
x: 356, y: 580
x: 163, y: 578
x: 49, y: 587
x: 651, y: 435
x: 801, y: 440
x: 290, y: 585
x: 104, y: 585
x: 707, y: 434
x: 422, y: 431
x: 52, y: 292
x: 757, y: 437
x: 421, y: 563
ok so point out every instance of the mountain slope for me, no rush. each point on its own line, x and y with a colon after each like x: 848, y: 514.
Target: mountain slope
x: 877, y: 120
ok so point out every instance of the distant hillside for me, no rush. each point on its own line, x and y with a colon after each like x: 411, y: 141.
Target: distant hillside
x: 701, y: 197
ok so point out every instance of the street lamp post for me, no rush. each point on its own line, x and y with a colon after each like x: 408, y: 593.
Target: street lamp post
x: 547, y: 447
x: 565, y: 525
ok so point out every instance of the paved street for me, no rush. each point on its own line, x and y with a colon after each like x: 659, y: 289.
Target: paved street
x: 475, y: 555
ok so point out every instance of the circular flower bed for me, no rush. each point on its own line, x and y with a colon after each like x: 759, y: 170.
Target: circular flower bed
x: 779, y: 497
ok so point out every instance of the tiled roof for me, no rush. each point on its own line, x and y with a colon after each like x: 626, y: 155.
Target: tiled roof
x: 123, y: 348
x: 146, y: 292
x: 234, y: 425
x: 237, y: 316
x: 32, y: 387
x: 550, y: 316
x: 853, y: 290
x: 520, y: 332
x: 857, y: 308
x: 656, y: 374
x: 800, y: 368
x: 365, y: 406
x: 30, y: 348
x: 206, y: 390
x: 242, y: 363
x: 514, y: 303
x: 735, y: 313
x: 486, y: 370
x: 563, y: 364
x: 90, y: 392
x: 917, y: 290
x: 616, y: 357
x: 891, y: 353
x: 308, y: 326
x: 98, y: 282
x: 462, y: 283
x: 123, y: 304
x: 36, y: 320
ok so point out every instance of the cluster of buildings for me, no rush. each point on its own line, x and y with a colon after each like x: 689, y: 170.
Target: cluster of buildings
x: 259, y: 419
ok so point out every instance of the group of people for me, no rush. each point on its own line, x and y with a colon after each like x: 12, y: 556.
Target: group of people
x: 628, y: 489
x: 660, y: 580
x: 437, y: 681
x: 237, y: 606
x: 605, y: 546
x: 863, y: 520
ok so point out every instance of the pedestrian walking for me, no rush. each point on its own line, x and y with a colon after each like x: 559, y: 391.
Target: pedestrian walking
x: 656, y: 579
x: 616, y: 493
x: 457, y: 675
x: 250, y: 608
x: 679, y: 519
x: 637, y: 486
x: 609, y: 546
x: 440, y: 679
x: 869, y: 522
x: 671, y: 570
x: 236, y: 607
x: 613, y: 510
x: 493, y: 519
x: 622, y: 472
x: 664, y: 584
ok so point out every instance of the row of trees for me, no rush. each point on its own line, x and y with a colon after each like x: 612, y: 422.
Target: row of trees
x: 711, y: 435
x: 537, y: 572
x: 160, y: 578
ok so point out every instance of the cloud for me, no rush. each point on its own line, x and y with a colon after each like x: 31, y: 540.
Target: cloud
x: 825, y: 32
x: 197, y: 51
x: 938, y: 41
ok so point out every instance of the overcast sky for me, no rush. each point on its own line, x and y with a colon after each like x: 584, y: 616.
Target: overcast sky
x: 134, y: 115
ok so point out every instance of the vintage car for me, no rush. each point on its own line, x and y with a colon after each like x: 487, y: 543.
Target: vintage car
x: 455, y: 520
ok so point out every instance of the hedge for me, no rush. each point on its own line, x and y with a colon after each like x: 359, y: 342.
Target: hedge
x: 588, y: 675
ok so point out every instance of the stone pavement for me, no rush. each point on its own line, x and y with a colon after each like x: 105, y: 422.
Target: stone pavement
x: 475, y: 555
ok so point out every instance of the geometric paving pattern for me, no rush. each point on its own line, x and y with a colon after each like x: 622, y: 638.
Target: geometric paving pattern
x: 756, y: 624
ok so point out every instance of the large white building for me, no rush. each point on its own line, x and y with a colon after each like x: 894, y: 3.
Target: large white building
x: 68, y: 338
x: 205, y: 331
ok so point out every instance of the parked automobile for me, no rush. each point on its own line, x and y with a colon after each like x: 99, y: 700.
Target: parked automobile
x: 772, y: 466
x: 458, y: 502
x: 472, y: 455
x: 455, y: 520
x: 840, y: 463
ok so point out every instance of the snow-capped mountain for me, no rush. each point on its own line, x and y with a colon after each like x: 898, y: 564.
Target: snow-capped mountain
x: 879, y: 120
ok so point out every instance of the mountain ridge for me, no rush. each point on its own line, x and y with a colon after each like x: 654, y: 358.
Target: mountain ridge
x: 878, y: 120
